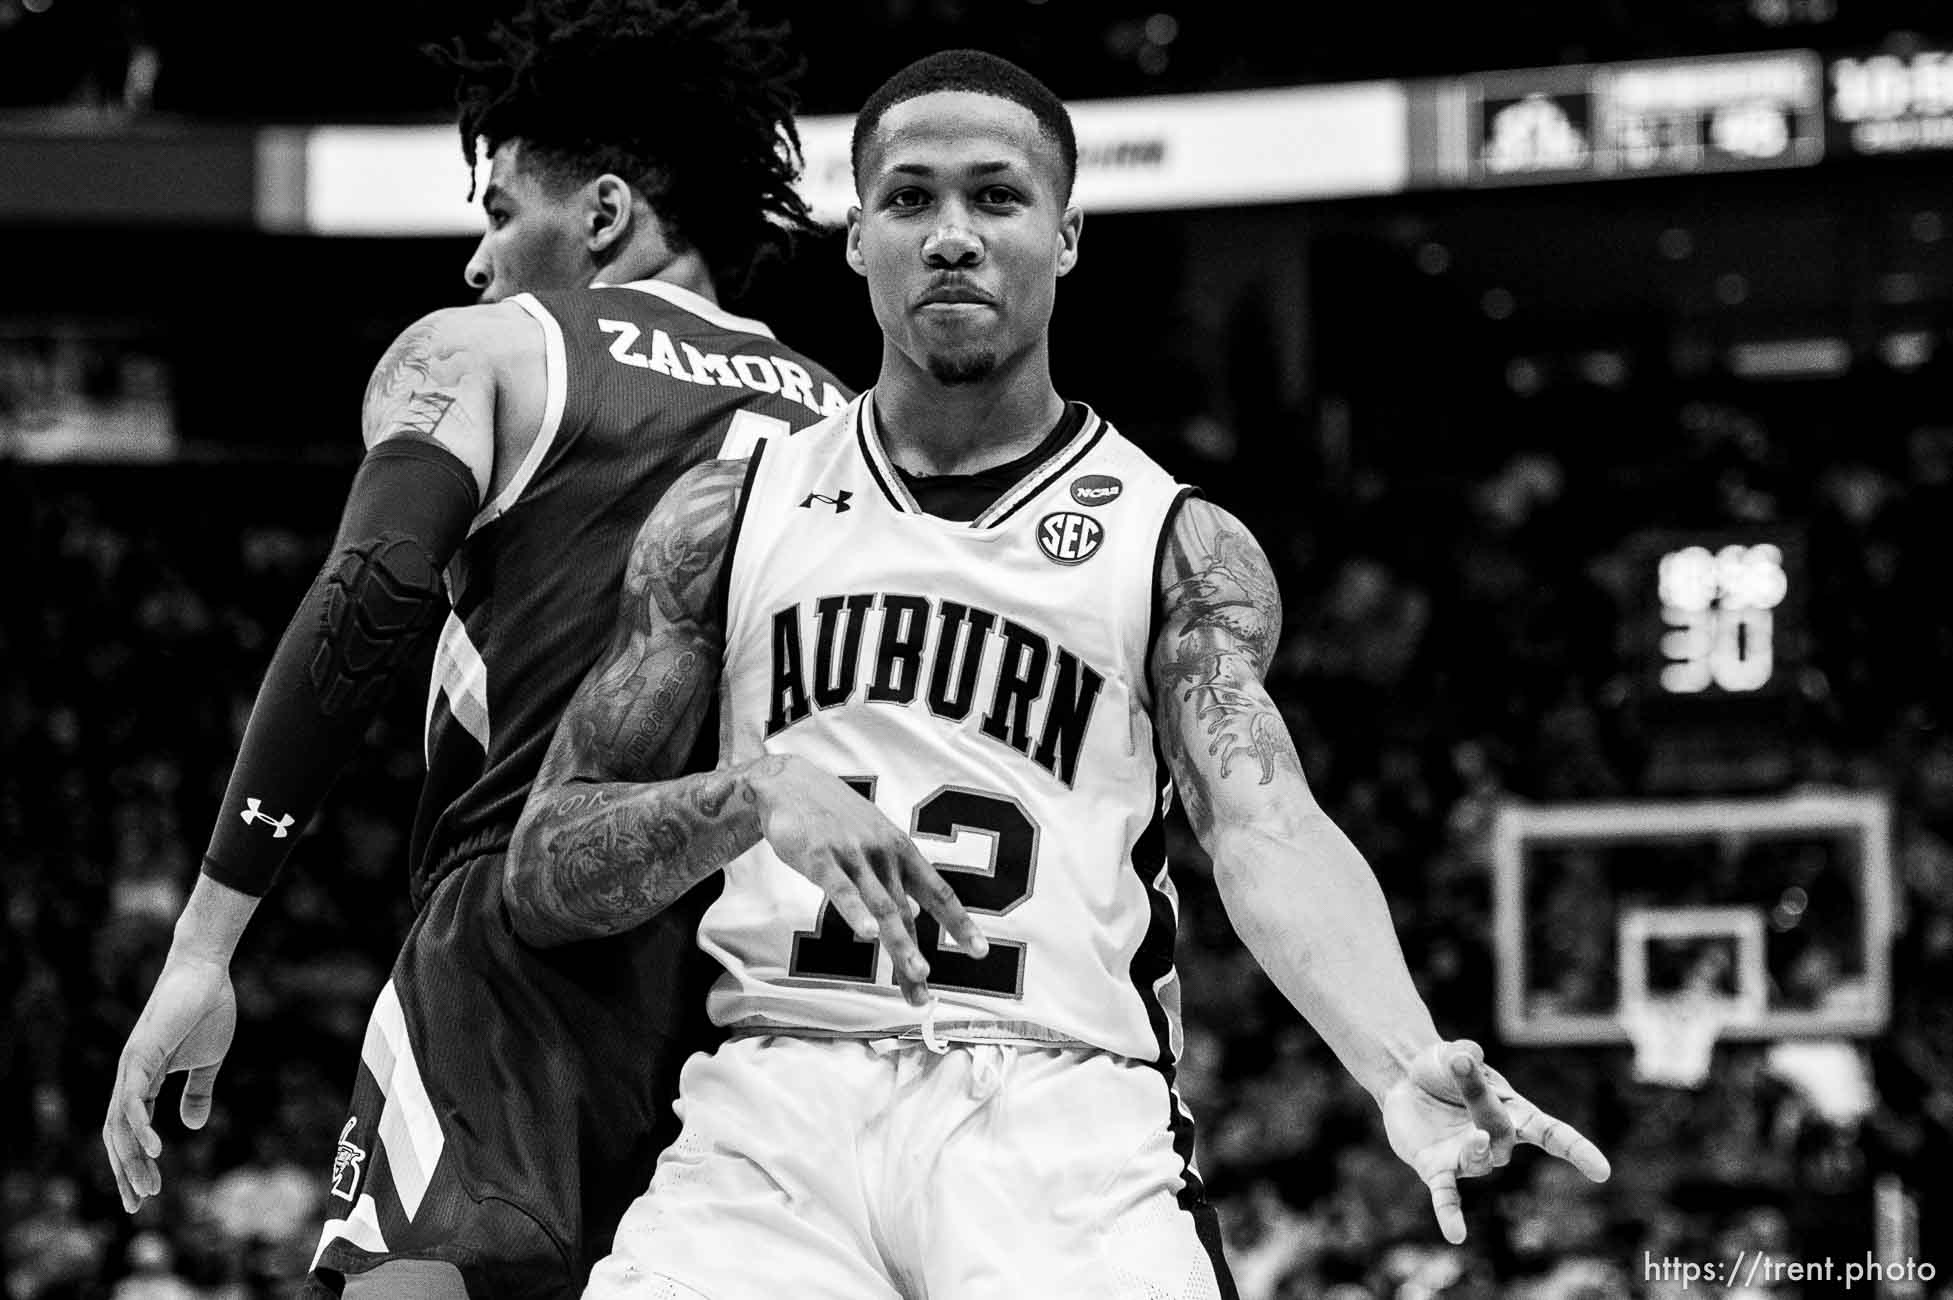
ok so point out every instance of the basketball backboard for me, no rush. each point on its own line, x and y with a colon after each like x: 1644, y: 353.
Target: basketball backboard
x: 1777, y: 910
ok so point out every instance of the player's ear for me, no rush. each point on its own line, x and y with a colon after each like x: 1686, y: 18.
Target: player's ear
x: 608, y: 212
x: 855, y: 259
x: 1069, y: 229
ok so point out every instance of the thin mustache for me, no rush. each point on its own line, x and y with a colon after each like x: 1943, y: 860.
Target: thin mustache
x: 956, y: 290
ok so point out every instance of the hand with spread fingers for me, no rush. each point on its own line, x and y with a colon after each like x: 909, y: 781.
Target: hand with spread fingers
x: 1455, y: 1117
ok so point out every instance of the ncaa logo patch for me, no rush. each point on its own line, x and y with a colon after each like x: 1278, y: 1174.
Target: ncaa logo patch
x: 1096, y: 489
x: 1067, y: 537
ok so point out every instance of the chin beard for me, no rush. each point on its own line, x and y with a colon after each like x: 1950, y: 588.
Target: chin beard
x: 968, y: 368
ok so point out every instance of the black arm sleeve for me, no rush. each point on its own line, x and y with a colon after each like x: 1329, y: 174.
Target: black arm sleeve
x: 378, y: 594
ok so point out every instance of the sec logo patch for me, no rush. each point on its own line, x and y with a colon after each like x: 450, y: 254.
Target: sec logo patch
x: 1067, y: 537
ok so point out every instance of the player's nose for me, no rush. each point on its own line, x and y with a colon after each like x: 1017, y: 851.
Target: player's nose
x: 480, y: 271
x: 952, y: 243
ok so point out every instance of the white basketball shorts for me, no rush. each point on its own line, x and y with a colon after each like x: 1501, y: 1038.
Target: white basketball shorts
x: 837, y: 1169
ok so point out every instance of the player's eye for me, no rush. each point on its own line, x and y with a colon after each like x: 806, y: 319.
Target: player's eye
x: 908, y: 197
x: 497, y: 218
x: 996, y: 196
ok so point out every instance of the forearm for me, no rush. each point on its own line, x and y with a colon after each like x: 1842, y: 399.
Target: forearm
x: 1309, y: 908
x: 591, y: 858
x: 212, y: 922
x: 378, y: 595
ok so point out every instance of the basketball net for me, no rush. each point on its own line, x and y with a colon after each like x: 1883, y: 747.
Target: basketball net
x: 1675, y: 1037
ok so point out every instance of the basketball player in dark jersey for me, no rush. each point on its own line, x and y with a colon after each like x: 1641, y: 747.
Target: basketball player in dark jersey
x: 507, y: 1102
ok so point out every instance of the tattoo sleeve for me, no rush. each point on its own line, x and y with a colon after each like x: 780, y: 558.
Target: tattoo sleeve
x: 1225, y: 741
x: 612, y: 834
x: 1297, y: 891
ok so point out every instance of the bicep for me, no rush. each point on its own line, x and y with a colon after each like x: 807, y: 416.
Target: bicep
x: 1224, y: 739
x: 640, y: 709
x: 438, y: 383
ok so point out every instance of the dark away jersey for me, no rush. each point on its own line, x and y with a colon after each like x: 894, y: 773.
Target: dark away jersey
x: 646, y: 380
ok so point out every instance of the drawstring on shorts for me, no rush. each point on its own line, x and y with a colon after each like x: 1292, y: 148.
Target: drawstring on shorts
x: 931, y: 1037
x: 989, y: 1062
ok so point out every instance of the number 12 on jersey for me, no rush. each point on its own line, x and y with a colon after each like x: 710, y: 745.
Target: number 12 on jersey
x: 830, y: 951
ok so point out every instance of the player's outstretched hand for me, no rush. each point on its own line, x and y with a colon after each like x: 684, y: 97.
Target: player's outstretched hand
x: 1456, y: 1117
x: 867, y: 866
x: 186, y: 1025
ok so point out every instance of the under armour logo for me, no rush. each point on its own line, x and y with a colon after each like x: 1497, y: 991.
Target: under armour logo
x: 346, y: 1162
x: 838, y: 501
x: 281, y: 826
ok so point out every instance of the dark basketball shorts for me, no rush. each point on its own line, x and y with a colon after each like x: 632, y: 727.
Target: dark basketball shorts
x: 510, y: 1101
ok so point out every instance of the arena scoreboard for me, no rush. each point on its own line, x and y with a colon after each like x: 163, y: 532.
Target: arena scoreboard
x: 1651, y: 118
x: 1716, y: 644
x: 1720, y: 603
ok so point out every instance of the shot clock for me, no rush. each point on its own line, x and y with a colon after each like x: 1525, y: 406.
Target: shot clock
x: 1716, y: 643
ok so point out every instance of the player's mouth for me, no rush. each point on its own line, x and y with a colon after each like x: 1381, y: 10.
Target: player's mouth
x: 956, y: 295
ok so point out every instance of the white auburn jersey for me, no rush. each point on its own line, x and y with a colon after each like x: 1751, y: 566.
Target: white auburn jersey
x: 985, y: 684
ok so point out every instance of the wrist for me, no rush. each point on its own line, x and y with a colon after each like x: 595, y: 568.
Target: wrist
x: 1394, y: 1064
x: 212, y: 922
x: 764, y: 779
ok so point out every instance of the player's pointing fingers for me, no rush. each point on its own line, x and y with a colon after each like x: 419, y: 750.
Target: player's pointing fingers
x: 1487, y: 1112
x: 1444, y: 1203
x: 926, y: 885
x: 846, y: 900
x: 894, y: 923
x: 1559, y: 1138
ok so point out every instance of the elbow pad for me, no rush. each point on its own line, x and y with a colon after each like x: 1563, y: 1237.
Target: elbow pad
x: 374, y: 600
x: 378, y: 595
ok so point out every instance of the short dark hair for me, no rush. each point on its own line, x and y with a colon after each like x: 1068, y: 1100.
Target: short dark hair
x: 691, y: 103
x: 972, y: 70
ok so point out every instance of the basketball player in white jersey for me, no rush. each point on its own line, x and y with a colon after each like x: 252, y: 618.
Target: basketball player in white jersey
x: 968, y: 619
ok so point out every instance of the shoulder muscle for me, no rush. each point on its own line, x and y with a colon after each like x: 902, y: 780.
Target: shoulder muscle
x: 1221, y: 619
x: 680, y: 552
x: 1216, y: 584
x: 446, y: 379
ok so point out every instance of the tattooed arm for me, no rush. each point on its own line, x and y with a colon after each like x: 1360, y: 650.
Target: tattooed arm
x: 1298, y: 892
x: 471, y: 380
x: 1300, y: 895
x: 611, y: 836
x: 597, y: 849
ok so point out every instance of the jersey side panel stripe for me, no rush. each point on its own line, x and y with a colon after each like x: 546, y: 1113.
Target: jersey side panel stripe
x: 556, y: 364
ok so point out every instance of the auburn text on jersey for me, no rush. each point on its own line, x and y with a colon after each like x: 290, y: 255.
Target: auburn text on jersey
x: 948, y: 672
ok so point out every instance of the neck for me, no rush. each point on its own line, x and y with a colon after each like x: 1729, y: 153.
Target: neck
x: 929, y: 427
x: 687, y: 270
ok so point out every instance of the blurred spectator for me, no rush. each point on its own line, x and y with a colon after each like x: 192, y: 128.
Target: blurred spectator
x: 151, y: 1272
x: 52, y: 1250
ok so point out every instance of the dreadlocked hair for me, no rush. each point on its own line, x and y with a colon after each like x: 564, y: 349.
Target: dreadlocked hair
x: 690, y: 102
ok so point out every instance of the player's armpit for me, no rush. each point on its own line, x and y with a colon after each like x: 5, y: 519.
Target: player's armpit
x: 598, y: 850
x: 1221, y: 619
x: 438, y: 383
